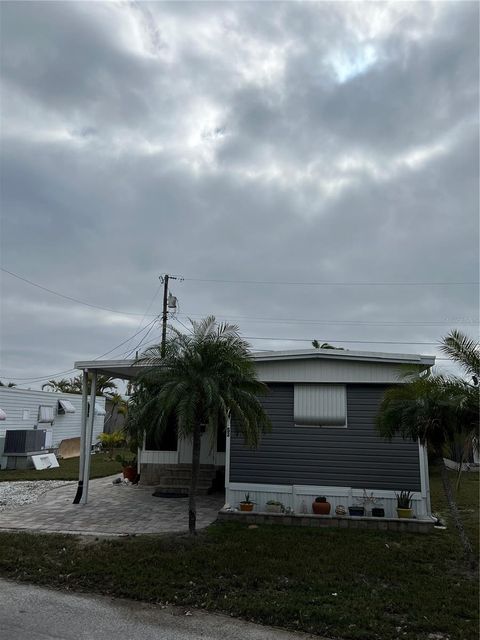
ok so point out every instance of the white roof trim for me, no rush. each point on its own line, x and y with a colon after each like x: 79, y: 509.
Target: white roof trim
x: 129, y: 368
x: 337, y: 354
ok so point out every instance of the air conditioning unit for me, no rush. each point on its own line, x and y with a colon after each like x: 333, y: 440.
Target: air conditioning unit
x: 24, y: 440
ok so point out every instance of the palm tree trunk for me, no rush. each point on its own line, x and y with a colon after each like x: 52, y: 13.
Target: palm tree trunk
x: 467, y: 546
x: 192, y: 506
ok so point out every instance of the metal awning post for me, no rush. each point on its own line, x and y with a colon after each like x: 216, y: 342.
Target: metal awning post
x: 88, y: 440
x: 83, y: 434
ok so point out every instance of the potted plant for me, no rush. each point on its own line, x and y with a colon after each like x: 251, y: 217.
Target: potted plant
x: 247, y: 504
x: 273, y: 506
x: 129, y: 467
x: 356, y: 510
x: 369, y: 503
x: 404, y: 504
x: 321, y: 506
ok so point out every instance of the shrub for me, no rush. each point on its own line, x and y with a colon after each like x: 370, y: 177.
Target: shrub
x: 111, y: 441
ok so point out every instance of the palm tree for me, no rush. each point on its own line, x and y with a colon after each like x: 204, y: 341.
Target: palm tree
x: 61, y: 386
x: 434, y: 408
x: 204, y: 378
x: 74, y: 385
x: 464, y: 395
x: 118, y: 407
x: 441, y: 411
x: 104, y: 384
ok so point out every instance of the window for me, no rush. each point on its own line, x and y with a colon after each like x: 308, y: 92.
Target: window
x: 320, y: 405
x: 45, y: 413
x: 98, y: 410
x: 65, y: 406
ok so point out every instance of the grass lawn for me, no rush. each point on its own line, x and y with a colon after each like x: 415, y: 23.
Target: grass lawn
x: 337, y: 583
x: 68, y: 470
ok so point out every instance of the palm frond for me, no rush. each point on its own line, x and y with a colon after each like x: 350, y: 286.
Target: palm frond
x: 462, y: 350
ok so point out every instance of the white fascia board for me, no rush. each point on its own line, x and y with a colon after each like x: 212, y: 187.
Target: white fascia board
x: 333, y: 354
x: 127, y: 369
x: 124, y: 369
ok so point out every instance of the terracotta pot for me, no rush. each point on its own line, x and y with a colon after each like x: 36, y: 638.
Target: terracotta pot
x: 321, y: 508
x: 404, y: 513
x: 130, y: 473
x: 246, y: 506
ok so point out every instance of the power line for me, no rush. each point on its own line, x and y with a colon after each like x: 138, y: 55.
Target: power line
x: 333, y: 284
x: 297, y: 320
x: 147, y: 310
x: 58, y: 373
x: 320, y: 322
x: 62, y: 295
x: 183, y: 325
x: 140, y: 343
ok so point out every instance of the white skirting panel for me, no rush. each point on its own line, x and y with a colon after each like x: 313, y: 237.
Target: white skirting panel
x: 294, y: 495
x: 172, y: 457
x: 158, y: 457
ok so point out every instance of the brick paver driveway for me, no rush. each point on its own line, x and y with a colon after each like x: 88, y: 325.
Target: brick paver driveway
x: 111, y: 509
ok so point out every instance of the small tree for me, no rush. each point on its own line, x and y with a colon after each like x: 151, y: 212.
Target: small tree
x: 439, y: 410
x: 204, y: 378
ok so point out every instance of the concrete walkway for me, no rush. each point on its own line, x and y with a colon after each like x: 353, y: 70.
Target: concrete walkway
x: 111, y: 510
x: 34, y: 612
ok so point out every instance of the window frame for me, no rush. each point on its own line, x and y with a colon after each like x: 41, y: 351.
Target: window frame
x: 317, y: 425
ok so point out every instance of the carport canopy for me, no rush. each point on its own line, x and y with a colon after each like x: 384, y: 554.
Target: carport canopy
x: 121, y: 369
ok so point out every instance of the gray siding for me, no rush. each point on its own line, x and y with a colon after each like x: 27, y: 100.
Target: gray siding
x: 350, y: 457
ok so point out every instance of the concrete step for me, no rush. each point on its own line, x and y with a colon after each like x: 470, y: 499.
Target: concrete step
x: 187, y: 467
x: 201, y: 491
x: 185, y: 477
x: 175, y: 482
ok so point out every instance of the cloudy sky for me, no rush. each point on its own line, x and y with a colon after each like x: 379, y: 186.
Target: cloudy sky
x: 259, y: 150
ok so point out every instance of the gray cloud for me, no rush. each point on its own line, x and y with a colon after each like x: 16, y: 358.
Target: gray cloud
x: 272, y: 142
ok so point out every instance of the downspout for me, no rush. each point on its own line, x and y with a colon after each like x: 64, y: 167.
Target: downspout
x: 228, y: 431
x: 83, y: 437
x: 88, y: 448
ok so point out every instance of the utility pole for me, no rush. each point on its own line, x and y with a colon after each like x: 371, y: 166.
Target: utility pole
x: 165, y: 279
x: 169, y: 301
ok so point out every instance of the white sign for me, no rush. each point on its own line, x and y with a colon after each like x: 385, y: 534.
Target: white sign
x: 45, y: 461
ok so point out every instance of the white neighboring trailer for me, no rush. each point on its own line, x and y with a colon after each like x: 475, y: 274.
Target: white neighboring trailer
x: 22, y: 411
